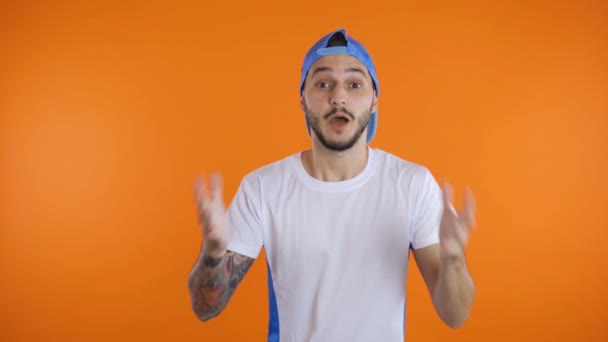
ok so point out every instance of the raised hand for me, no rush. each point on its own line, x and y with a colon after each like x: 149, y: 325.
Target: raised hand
x: 455, y: 228
x: 212, y: 215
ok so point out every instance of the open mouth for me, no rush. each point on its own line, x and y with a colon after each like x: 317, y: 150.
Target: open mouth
x: 340, y: 118
x: 339, y: 121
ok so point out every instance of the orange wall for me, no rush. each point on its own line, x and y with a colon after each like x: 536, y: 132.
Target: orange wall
x: 109, y: 111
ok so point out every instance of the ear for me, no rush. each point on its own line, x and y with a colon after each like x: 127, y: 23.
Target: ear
x: 302, y: 103
x: 375, y: 103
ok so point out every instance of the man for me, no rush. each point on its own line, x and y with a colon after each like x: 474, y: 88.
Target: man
x: 337, y: 221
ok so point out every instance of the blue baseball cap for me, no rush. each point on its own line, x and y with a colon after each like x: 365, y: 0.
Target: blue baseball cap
x: 353, y: 48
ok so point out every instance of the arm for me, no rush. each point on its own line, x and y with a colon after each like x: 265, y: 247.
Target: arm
x: 443, y: 266
x: 213, y: 281
x: 217, y: 271
x: 449, y: 283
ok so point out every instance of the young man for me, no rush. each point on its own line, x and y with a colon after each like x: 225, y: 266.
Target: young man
x: 337, y: 221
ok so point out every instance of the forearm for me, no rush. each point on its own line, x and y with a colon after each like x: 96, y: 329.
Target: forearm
x: 209, y: 285
x: 214, y: 279
x: 454, y: 291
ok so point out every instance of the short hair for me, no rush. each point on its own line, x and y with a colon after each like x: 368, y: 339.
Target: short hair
x: 337, y: 39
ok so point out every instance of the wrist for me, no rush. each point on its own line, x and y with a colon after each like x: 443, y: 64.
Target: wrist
x: 214, y: 249
x: 452, y: 259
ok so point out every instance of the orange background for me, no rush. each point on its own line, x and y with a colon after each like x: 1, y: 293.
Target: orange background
x: 110, y: 110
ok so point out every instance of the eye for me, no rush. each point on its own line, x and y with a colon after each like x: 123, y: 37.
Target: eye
x: 323, y: 85
x: 356, y: 85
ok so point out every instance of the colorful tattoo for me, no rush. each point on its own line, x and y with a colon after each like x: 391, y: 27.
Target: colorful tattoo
x: 214, y: 282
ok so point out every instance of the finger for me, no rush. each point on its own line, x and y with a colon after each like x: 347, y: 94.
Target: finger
x: 468, y: 211
x: 448, y: 194
x: 217, y: 193
x: 461, y: 239
x: 200, y: 191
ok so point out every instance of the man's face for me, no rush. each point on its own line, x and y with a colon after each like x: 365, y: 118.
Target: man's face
x: 338, y: 100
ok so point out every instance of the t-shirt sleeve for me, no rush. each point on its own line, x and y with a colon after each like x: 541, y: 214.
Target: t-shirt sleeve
x: 428, y: 209
x: 245, y: 219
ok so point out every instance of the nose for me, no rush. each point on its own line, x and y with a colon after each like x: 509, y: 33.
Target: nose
x: 338, y: 97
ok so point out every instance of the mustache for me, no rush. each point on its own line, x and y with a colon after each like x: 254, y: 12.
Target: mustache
x: 336, y: 109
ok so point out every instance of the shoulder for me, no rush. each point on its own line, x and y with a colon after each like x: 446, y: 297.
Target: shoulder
x: 401, y: 167
x: 414, y: 180
x: 271, y: 172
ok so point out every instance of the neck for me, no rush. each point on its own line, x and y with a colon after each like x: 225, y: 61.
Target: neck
x: 334, y: 166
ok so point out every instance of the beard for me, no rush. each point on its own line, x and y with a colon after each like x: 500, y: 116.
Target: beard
x: 339, y: 145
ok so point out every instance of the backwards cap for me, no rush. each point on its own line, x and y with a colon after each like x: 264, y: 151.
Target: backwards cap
x: 353, y: 48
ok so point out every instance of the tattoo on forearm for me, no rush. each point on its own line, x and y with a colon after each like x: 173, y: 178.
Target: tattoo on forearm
x: 215, y: 281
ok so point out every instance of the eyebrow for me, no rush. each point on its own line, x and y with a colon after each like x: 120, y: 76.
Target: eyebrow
x: 323, y: 68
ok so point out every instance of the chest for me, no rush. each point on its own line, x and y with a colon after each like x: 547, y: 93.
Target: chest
x: 311, y: 231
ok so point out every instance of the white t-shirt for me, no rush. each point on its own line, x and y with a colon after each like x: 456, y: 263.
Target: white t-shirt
x: 337, y: 252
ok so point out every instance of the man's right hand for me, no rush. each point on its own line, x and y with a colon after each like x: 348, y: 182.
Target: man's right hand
x: 212, y: 215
